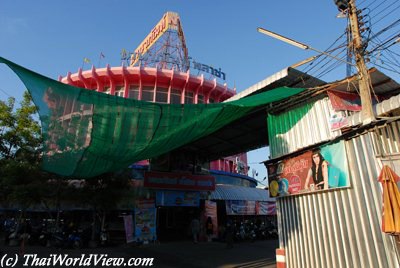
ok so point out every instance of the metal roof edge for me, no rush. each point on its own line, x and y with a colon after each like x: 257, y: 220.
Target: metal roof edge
x: 259, y: 85
x: 288, y: 77
x: 379, y: 109
x: 220, y: 172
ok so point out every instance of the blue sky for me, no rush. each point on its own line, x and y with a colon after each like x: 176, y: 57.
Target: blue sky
x: 53, y: 37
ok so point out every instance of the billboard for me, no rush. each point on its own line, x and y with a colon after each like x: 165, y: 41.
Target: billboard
x: 170, y: 20
x: 240, y: 207
x: 318, y: 169
x: 145, y: 224
x: 246, y: 207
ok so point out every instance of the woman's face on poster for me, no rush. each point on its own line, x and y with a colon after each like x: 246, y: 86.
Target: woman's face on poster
x: 316, y: 159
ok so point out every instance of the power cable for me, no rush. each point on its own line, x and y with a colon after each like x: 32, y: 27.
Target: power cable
x: 2, y: 90
x: 393, y: 24
x: 392, y: 70
x: 386, y: 15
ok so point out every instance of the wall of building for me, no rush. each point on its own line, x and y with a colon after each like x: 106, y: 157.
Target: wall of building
x: 154, y: 85
x: 342, y: 227
x: 300, y: 127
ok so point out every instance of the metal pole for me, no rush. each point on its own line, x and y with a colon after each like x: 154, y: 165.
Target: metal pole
x: 297, y: 44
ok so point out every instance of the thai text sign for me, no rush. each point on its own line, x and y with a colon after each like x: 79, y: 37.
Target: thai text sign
x: 170, y: 20
x: 209, y: 69
x: 181, y: 181
x: 320, y: 169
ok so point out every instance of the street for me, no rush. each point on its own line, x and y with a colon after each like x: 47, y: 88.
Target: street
x: 166, y: 255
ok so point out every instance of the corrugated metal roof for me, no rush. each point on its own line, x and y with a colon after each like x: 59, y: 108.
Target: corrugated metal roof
x: 229, y: 192
x: 381, y: 83
x: 220, y: 172
x: 391, y: 105
x: 287, y: 77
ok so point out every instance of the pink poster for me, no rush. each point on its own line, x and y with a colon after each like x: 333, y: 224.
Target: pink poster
x: 128, y: 223
x: 211, y: 211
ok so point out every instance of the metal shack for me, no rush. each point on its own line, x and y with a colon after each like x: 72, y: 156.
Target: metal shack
x: 334, y: 221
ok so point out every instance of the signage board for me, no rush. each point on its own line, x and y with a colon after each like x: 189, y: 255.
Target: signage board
x: 179, y: 181
x: 319, y: 169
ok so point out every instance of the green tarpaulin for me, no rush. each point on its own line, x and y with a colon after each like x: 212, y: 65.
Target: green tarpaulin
x: 87, y: 133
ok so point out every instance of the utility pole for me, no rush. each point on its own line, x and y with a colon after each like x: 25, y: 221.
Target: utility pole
x: 364, y: 80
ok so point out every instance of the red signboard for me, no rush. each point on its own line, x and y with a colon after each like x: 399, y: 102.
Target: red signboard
x: 181, y: 181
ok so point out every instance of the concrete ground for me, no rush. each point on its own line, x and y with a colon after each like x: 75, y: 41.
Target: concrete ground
x: 166, y: 255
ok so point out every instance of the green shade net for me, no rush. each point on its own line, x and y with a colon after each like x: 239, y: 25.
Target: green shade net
x: 87, y: 133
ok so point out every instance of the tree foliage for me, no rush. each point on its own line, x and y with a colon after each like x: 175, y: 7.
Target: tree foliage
x: 21, y: 181
x: 24, y: 185
x: 20, y: 137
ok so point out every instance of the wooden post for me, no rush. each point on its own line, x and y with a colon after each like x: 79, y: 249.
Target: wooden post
x: 364, y: 82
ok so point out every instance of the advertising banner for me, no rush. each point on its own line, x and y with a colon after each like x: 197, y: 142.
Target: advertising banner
x: 178, y: 198
x: 128, y: 224
x: 145, y: 224
x: 319, y: 169
x: 211, y: 211
x: 344, y: 101
x: 265, y: 208
x: 240, y: 207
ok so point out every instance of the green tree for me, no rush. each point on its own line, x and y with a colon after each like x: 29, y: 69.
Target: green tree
x: 103, y: 193
x: 21, y: 181
x: 20, y: 137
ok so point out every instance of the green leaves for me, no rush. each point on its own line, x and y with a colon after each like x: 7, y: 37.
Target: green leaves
x: 19, y: 132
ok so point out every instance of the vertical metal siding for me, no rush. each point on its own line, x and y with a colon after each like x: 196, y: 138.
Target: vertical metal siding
x: 387, y: 139
x: 300, y: 127
x: 342, y: 227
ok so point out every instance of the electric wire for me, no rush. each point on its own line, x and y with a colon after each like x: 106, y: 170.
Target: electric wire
x: 383, y: 67
x: 2, y: 90
x: 374, y: 2
x: 315, y: 64
x: 380, y: 8
x: 322, y: 66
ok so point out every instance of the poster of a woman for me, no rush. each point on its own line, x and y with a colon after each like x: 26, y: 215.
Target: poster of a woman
x: 322, y: 168
x: 318, y: 172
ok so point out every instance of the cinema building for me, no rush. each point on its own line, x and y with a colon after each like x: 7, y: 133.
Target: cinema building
x: 173, y: 188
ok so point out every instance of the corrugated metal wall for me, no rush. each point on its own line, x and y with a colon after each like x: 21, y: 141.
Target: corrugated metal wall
x: 300, y: 127
x: 342, y: 227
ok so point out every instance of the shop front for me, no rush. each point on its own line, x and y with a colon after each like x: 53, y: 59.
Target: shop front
x: 179, y: 197
x: 239, y: 204
x: 175, y: 210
